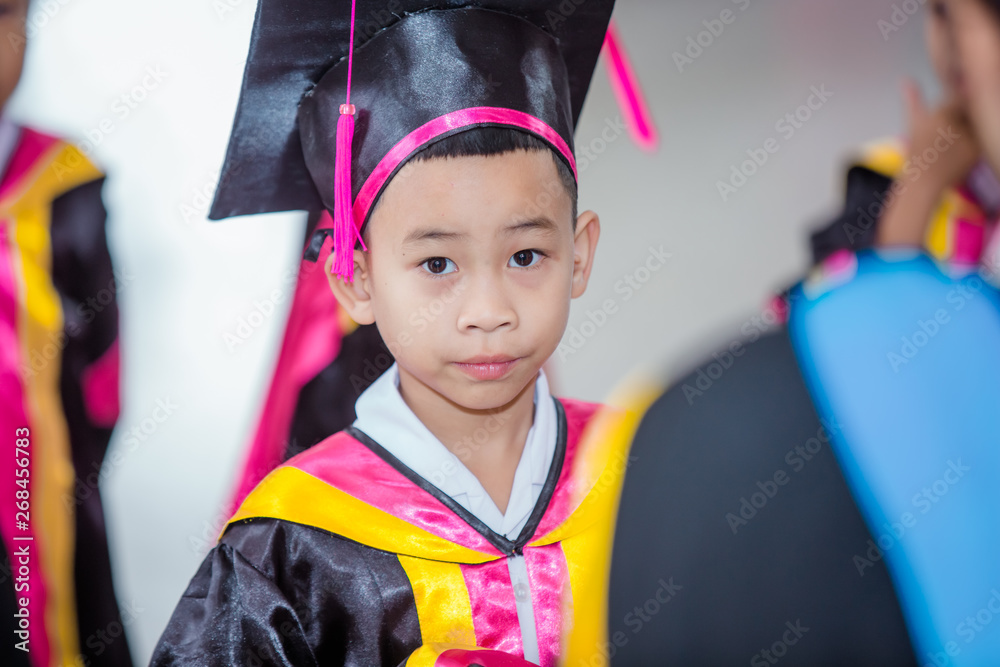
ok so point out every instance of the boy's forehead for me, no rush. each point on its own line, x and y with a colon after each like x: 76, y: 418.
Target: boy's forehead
x: 495, y: 195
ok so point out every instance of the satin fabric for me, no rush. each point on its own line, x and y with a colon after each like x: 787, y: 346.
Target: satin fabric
x: 322, y: 550
x: 442, y: 56
x: 313, y: 339
x: 60, y: 383
x: 736, y: 520
x: 906, y: 359
x: 445, y: 125
x: 493, y: 606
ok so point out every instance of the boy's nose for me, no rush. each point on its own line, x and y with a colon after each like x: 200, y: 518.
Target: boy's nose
x: 486, y: 307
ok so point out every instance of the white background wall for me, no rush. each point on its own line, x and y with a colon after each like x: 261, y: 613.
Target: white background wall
x: 188, y: 282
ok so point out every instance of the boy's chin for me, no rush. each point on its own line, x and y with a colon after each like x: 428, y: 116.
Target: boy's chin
x: 488, y: 396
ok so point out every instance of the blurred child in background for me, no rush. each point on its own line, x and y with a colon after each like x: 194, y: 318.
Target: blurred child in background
x: 930, y: 189
x: 58, y: 391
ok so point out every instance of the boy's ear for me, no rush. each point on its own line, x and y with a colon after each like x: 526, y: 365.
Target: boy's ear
x: 355, y: 298
x: 588, y: 231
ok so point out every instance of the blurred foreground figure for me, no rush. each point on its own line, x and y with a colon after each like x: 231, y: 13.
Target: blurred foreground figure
x: 737, y: 530
x: 827, y: 494
x: 59, y: 388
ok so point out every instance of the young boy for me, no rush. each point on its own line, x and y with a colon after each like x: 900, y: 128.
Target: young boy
x: 59, y: 387
x: 465, y: 517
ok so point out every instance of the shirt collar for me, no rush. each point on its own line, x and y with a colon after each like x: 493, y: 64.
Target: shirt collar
x: 384, y: 416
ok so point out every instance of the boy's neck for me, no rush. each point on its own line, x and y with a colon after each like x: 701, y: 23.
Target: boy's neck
x: 488, y: 442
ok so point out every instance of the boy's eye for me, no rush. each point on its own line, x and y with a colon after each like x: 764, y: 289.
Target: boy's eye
x: 524, y: 259
x: 439, y: 266
x: 940, y: 9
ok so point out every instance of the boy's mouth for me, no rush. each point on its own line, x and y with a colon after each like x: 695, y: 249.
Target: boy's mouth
x: 487, y: 368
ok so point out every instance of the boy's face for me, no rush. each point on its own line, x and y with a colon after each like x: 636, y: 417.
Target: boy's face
x: 976, y: 30
x: 472, y: 265
x: 12, y: 17
x: 942, y: 49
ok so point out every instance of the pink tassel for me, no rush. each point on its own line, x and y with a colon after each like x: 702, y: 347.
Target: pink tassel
x: 628, y: 92
x: 344, y: 229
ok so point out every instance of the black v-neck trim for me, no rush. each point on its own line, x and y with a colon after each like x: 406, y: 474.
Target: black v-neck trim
x: 501, y: 542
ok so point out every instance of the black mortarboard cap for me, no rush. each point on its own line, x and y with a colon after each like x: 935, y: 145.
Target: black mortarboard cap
x: 421, y: 71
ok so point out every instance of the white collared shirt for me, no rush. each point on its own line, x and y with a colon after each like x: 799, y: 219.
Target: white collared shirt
x: 384, y: 416
x: 9, y: 133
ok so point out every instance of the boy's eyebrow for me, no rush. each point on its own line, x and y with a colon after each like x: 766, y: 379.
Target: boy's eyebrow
x: 534, y: 224
x: 431, y: 234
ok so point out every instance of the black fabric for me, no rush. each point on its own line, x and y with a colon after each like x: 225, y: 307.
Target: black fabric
x: 854, y: 229
x: 409, y: 57
x: 83, y: 275
x: 326, y: 403
x: 450, y: 60
x: 278, y: 593
x: 687, y: 590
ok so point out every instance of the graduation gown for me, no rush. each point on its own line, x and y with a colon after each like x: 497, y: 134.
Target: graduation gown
x: 748, y: 557
x: 59, y: 382
x: 906, y: 354
x: 344, y: 556
x: 324, y: 363
x: 828, y: 489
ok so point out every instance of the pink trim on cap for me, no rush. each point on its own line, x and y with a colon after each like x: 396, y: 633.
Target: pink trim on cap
x: 442, y: 125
